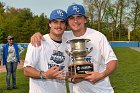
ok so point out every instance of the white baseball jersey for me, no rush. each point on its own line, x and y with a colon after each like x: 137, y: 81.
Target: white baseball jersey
x: 101, y: 54
x: 44, y: 57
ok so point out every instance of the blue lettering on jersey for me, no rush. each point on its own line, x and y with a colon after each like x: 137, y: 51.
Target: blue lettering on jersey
x: 88, y: 59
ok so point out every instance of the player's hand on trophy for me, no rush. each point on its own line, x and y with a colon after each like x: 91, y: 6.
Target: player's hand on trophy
x: 54, y: 73
x: 36, y: 39
x: 94, y: 76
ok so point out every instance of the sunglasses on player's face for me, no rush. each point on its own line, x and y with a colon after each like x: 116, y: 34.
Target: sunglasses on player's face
x: 11, y: 39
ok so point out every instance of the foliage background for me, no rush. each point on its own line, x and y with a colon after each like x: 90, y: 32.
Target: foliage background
x: 111, y: 17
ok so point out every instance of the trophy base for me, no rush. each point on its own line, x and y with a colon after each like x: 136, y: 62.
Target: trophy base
x: 79, y: 70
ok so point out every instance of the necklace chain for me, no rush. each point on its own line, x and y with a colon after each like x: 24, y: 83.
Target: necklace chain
x: 57, y: 45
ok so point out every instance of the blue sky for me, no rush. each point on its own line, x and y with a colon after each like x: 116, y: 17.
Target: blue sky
x: 41, y: 6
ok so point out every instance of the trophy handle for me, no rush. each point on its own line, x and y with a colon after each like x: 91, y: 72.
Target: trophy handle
x: 68, y: 52
x: 88, y: 51
x: 68, y: 41
x: 87, y: 40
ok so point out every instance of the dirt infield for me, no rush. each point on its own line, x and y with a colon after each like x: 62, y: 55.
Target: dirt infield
x: 20, y: 66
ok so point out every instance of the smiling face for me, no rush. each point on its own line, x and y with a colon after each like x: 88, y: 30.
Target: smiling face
x: 57, y: 27
x: 77, y: 23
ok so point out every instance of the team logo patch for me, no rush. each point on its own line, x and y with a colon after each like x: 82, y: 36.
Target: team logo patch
x: 76, y: 8
x: 59, y: 12
x: 57, y: 57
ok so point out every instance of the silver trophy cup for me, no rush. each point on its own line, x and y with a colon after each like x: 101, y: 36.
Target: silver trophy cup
x: 79, y: 51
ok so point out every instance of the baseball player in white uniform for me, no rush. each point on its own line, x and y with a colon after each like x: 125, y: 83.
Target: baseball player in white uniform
x: 46, y: 65
x: 102, y: 56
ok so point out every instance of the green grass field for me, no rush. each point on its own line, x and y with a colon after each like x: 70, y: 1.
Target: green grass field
x: 124, y: 80
x: 127, y: 77
x: 22, y: 83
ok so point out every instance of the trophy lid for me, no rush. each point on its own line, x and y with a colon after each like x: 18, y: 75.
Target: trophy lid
x: 78, y: 40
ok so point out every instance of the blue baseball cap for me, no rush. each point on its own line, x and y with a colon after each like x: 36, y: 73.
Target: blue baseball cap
x: 58, y: 13
x: 75, y: 9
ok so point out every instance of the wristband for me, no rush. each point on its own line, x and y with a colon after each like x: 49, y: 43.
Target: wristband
x: 71, y: 80
x: 41, y: 74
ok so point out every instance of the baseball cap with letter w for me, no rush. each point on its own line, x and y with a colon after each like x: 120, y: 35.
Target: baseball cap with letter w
x: 75, y: 9
x: 58, y: 13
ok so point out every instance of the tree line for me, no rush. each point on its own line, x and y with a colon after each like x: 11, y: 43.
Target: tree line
x: 111, y: 17
x: 20, y: 23
x: 115, y: 18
